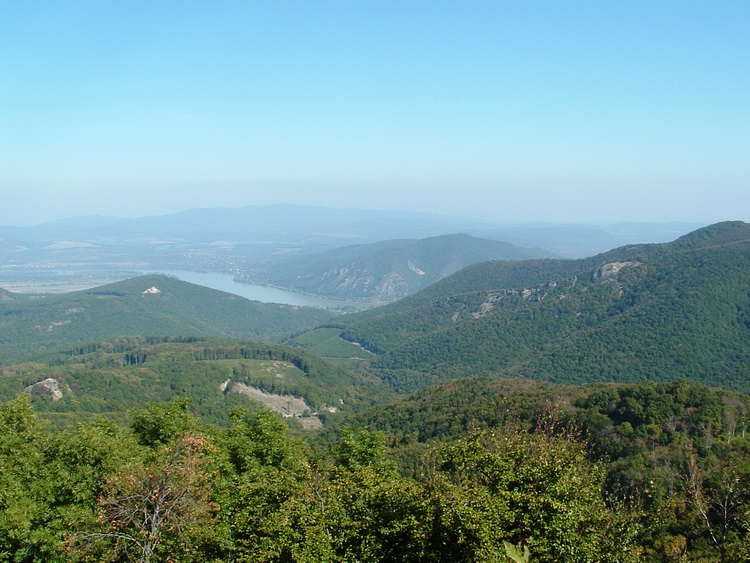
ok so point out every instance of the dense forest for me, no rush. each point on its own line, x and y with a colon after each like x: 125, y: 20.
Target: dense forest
x: 144, y: 305
x: 109, y: 378
x: 506, y: 470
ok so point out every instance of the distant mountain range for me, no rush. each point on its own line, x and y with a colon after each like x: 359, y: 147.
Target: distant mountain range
x: 657, y: 311
x: 654, y: 311
x: 240, y: 239
x: 649, y: 311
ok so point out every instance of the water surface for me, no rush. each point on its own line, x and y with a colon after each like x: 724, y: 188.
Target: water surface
x: 266, y: 294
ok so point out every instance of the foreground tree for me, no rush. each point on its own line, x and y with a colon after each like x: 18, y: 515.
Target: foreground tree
x: 25, y: 486
x: 720, y: 500
x: 161, y: 505
x: 536, y: 491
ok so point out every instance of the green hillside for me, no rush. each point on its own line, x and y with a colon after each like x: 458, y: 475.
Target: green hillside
x: 111, y: 377
x: 651, y: 412
x: 388, y: 270
x: 658, y: 312
x: 146, y: 305
x: 670, y: 449
x: 9, y: 297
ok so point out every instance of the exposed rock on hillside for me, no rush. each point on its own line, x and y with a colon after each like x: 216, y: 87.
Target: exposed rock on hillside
x: 288, y: 406
x: 613, y: 268
x: 388, y: 270
x: 49, y: 386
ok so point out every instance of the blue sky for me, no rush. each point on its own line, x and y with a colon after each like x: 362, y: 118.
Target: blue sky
x: 502, y: 110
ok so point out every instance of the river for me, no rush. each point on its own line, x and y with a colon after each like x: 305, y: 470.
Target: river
x: 65, y: 281
x: 266, y: 294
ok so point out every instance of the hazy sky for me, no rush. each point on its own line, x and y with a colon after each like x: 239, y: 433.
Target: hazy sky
x: 505, y: 110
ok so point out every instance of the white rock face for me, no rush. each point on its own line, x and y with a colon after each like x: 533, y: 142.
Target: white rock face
x: 613, y: 268
x: 152, y: 290
x: 414, y: 269
x: 49, y: 386
x: 288, y: 406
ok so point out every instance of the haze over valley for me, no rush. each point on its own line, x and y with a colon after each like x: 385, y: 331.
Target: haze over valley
x: 367, y: 255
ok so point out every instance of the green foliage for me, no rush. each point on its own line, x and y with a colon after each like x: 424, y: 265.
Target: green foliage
x: 475, y: 469
x: 22, y: 493
x: 536, y: 490
x: 659, y: 448
x: 360, y: 449
x: 519, y: 554
x: 103, y: 378
x: 159, y: 509
x: 258, y: 439
x: 49, y: 483
x: 162, y: 423
x: 327, y: 343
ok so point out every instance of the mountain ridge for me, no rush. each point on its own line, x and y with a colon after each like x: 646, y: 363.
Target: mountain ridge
x: 656, y: 311
x: 237, y: 239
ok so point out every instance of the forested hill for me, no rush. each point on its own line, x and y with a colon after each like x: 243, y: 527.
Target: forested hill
x: 658, y: 311
x: 146, y: 305
x: 390, y: 269
x: 6, y: 296
x: 111, y: 377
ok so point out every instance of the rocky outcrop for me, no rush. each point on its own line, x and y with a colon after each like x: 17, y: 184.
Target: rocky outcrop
x: 49, y: 386
x: 613, y: 269
x: 288, y: 406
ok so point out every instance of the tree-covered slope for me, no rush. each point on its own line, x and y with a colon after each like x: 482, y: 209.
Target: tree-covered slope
x: 146, y: 305
x: 676, y: 452
x: 111, y: 377
x: 390, y: 269
x: 658, y: 312
x: 9, y: 297
x: 449, y: 410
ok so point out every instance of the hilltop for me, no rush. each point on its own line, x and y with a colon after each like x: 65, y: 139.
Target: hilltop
x: 144, y: 305
x: 254, y: 239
